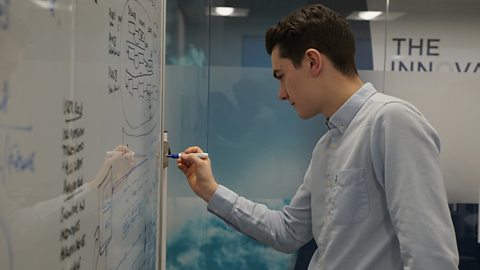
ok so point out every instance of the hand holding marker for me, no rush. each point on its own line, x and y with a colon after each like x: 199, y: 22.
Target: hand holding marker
x: 178, y: 155
x: 175, y: 155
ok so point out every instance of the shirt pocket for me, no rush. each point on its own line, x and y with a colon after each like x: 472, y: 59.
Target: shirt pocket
x: 351, y: 202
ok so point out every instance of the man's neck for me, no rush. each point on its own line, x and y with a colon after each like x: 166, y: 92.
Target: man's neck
x: 341, y: 89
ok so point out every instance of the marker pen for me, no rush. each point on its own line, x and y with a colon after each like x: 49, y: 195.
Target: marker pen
x: 178, y: 155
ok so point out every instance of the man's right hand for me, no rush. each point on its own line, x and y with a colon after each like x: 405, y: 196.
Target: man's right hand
x: 198, y: 172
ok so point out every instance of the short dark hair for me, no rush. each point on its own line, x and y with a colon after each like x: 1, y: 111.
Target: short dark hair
x: 314, y: 26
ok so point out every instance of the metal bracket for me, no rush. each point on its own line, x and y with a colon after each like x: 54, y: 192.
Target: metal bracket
x: 166, y: 150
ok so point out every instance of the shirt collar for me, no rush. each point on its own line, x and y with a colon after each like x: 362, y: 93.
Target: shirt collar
x: 343, y: 116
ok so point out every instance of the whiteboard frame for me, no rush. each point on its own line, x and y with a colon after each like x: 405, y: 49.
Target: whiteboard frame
x: 162, y: 187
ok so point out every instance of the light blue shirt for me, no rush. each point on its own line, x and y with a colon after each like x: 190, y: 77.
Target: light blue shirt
x: 372, y: 198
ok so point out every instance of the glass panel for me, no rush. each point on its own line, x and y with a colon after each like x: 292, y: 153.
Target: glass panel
x: 371, y: 37
x: 228, y: 105
x: 429, y: 58
x: 186, y: 120
x: 427, y: 50
x: 432, y: 61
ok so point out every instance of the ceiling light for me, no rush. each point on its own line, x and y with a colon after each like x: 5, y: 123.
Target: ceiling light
x: 45, y: 4
x: 52, y: 5
x: 369, y: 15
x: 374, y: 16
x: 227, y: 11
x: 224, y: 11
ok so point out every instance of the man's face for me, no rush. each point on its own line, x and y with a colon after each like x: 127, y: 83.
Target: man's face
x: 296, y: 84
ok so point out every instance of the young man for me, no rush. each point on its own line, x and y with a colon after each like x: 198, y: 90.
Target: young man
x: 373, y: 195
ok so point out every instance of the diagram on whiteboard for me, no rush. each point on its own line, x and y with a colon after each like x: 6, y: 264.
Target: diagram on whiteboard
x: 133, y: 41
x: 133, y: 81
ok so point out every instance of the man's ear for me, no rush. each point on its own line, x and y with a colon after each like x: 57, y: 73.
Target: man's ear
x: 314, y: 61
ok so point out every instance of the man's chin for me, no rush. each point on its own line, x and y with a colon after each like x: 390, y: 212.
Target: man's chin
x: 304, y: 117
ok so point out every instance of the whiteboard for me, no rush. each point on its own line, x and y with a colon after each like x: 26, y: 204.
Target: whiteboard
x: 78, y: 79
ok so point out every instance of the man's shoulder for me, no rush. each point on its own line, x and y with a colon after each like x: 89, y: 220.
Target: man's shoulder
x: 383, y: 106
x: 382, y: 98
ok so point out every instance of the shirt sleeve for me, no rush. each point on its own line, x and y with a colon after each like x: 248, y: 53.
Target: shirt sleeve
x: 284, y: 230
x: 405, y: 154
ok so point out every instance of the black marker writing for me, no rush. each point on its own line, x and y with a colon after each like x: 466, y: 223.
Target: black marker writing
x: 4, y: 96
x: 69, y: 250
x: 70, y: 187
x: 75, y: 208
x: 71, y: 167
x: 72, y: 109
x: 72, y: 149
x: 72, y: 133
x: 69, y: 231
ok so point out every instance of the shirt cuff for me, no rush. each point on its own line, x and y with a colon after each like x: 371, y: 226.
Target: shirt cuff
x: 222, y: 201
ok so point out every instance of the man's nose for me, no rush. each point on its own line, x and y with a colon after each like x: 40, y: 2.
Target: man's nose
x: 282, y: 94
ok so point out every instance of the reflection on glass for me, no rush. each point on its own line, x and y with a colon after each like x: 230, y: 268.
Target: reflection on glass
x: 23, y: 229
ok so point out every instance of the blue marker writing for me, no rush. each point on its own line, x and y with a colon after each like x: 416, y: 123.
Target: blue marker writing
x: 178, y: 155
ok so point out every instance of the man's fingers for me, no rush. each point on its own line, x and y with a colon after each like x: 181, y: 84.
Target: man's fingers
x: 193, y: 149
